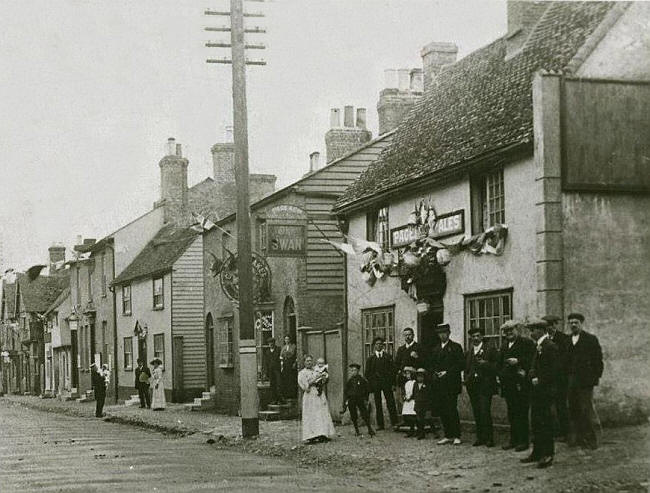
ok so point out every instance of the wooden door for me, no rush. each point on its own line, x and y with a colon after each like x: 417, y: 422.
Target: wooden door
x: 334, y: 358
x: 209, y: 350
x: 178, y: 389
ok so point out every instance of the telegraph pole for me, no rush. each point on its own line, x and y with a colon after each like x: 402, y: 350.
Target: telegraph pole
x: 247, y: 347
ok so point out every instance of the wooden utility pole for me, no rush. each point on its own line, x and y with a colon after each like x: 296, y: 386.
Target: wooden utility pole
x: 247, y: 346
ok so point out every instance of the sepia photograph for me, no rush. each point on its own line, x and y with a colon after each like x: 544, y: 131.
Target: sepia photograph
x: 325, y: 245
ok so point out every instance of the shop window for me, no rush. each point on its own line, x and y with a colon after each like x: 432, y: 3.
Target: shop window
x: 126, y: 299
x: 261, y: 236
x: 225, y: 344
x: 263, y: 331
x: 377, y: 228
x: 128, y: 353
x: 488, y: 311
x: 488, y: 200
x: 158, y: 294
x: 378, y: 322
x: 159, y: 347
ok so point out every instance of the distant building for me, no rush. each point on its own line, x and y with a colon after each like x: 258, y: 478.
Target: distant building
x: 60, y: 380
x: 518, y: 187
x: 10, y: 345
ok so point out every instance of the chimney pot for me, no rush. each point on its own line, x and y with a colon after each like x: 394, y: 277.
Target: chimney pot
x: 361, y: 118
x: 179, y: 150
x: 314, y: 161
x: 348, y: 116
x: 434, y: 57
x: 171, y: 146
x: 417, y: 80
x: 390, y: 78
x: 403, y: 79
x: 335, y: 118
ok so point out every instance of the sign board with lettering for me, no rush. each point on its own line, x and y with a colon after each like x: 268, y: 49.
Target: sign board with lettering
x: 286, y: 240
x: 449, y: 224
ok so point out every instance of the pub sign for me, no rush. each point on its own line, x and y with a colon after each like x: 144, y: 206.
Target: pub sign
x: 286, y: 240
x: 449, y: 224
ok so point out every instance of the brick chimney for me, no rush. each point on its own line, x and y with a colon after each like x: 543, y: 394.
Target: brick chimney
x: 403, y: 88
x: 340, y: 141
x: 522, y: 18
x: 173, y: 180
x: 435, y: 56
x: 57, y: 254
x: 223, y: 162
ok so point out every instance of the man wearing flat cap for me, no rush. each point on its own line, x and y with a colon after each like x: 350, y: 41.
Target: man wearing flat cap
x: 447, y: 363
x: 355, y: 398
x: 585, y: 367
x: 515, y: 360
x: 543, y: 379
x: 481, y: 384
x: 560, y: 407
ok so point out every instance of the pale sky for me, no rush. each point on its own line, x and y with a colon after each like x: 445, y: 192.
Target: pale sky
x: 91, y: 90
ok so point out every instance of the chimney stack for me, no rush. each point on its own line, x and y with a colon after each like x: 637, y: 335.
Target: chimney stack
x: 57, y: 254
x: 522, y: 17
x: 340, y: 141
x: 314, y: 161
x: 173, y: 180
x: 403, y: 88
x: 223, y: 162
x: 434, y: 57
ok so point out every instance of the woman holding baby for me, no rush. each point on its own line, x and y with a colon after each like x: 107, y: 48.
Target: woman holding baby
x: 317, y: 425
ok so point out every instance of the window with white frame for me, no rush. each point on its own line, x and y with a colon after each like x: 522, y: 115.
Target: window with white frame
x: 225, y: 342
x: 488, y: 200
x: 264, y: 330
x: 488, y: 311
x: 128, y: 353
x: 158, y: 296
x: 377, y: 227
x: 126, y: 299
x: 103, y: 273
x: 159, y: 347
x: 378, y: 322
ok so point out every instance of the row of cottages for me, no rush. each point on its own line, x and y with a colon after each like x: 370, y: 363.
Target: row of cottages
x: 23, y: 307
x: 299, y: 276
x: 518, y: 187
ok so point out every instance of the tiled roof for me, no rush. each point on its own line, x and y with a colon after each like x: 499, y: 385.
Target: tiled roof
x: 480, y: 104
x: 159, y: 254
x: 9, y: 293
x: 59, y: 300
x: 40, y: 293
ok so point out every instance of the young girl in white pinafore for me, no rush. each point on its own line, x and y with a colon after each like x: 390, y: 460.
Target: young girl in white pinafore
x: 408, y: 408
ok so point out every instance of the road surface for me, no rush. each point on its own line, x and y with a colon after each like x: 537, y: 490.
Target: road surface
x: 41, y: 451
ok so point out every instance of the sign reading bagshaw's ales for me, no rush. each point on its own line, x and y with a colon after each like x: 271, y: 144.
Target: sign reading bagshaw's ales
x: 449, y: 224
x: 286, y: 240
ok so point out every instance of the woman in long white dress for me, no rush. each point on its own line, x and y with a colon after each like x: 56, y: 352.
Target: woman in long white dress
x: 317, y: 425
x: 157, y: 386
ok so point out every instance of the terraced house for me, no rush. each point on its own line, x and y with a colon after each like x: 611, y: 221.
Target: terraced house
x: 491, y: 201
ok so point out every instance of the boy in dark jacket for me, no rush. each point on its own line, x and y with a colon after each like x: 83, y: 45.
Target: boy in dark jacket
x: 357, y: 390
x: 422, y: 398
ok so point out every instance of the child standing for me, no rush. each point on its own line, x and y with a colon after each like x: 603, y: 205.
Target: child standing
x: 408, y: 408
x: 422, y: 400
x: 357, y: 390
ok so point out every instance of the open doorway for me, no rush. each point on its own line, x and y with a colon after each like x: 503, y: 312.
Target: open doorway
x: 290, y: 319
x: 142, y: 349
x: 209, y: 350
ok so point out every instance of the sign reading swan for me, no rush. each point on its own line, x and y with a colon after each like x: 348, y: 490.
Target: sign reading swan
x: 286, y: 240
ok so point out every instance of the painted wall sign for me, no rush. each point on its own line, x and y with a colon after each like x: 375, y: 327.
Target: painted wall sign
x: 449, y: 224
x: 286, y: 240
x: 286, y: 211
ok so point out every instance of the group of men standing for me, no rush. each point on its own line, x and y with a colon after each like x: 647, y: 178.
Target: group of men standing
x: 548, y: 376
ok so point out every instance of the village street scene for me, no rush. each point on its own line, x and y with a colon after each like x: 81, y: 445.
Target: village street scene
x: 292, y: 245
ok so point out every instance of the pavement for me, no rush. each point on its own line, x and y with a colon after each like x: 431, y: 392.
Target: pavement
x: 390, y: 461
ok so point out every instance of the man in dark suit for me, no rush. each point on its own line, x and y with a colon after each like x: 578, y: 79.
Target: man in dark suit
x: 447, y: 363
x: 380, y: 372
x: 516, y: 356
x: 273, y: 368
x: 543, y: 379
x: 560, y: 407
x: 422, y: 398
x: 585, y: 367
x: 99, y: 387
x: 408, y: 354
x: 481, y: 383
x: 142, y: 377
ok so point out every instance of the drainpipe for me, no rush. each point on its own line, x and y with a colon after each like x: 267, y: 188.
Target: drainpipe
x: 112, y: 290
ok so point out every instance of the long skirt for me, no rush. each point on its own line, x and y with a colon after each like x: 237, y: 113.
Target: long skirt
x: 316, y: 419
x: 158, y: 397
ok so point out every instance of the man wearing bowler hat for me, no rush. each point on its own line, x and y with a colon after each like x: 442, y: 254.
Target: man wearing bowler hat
x: 516, y: 356
x: 481, y: 383
x: 447, y: 363
x: 559, y: 408
x: 543, y: 379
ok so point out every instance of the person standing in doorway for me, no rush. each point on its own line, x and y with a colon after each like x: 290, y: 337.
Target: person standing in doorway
x: 517, y: 354
x: 158, y: 402
x: 585, y: 367
x: 380, y: 373
x: 99, y: 388
x: 273, y: 370
x: 447, y: 364
x: 481, y: 384
x: 560, y: 406
x: 142, y: 378
x: 289, y: 372
x: 543, y: 379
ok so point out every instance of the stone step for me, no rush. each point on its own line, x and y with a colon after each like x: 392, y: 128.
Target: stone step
x: 269, y: 415
x: 207, y: 395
